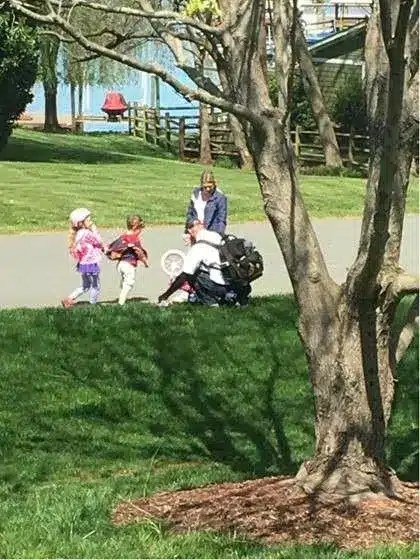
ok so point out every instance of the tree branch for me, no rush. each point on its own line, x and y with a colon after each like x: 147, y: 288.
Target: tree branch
x: 404, y: 284
x: 386, y: 22
x: 401, y: 338
x: 149, y: 14
x: 400, y: 36
x: 61, y: 38
x: 363, y: 276
x: 148, y: 67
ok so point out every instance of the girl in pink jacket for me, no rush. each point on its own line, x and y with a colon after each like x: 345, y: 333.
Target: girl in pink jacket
x: 86, y: 246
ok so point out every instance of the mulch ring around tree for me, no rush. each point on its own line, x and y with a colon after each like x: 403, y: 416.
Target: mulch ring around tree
x: 274, y: 509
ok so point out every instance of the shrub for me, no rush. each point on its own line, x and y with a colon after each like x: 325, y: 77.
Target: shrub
x: 349, y: 106
x: 301, y: 112
x: 354, y: 172
x: 226, y: 161
x: 18, y: 68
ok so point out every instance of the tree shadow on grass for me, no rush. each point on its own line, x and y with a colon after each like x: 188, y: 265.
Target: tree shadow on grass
x: 228, y: 386
x: 248, y: 434
x: 213, y: 400
x: 59, y: 148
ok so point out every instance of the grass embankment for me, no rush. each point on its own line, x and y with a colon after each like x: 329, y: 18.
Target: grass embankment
x: 44, y: 176
x: 102, y: 404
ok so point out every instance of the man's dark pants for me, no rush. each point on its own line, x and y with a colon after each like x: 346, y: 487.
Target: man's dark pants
x: 210, y: 293
x: 207, y: 291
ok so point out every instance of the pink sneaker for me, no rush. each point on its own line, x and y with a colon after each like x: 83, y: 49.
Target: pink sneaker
x: 67, y: 302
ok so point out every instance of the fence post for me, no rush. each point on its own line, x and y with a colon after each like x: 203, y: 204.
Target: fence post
x: 350, y: 154
x: 130, y: 124
x: 135, y: 118
x: 157, y: 127
x: 297, y: 141
x: 182, y: 138
x: 168, y: 132
x: 145, y: 124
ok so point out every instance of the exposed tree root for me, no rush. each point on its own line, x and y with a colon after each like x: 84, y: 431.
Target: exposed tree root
x: 348, y: 481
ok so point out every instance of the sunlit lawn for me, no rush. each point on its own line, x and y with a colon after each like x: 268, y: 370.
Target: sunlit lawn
x: 43, y: 176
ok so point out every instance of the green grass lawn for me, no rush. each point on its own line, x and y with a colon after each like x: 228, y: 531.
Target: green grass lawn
x: 44, y: 176
x: 102, y: 404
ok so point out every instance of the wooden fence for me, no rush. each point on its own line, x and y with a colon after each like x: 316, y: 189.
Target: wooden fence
x: 354, y: 148
x: 181, y: 135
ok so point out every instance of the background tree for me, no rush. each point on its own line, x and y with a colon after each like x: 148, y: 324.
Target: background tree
x: 18, y: 68
x: 316, y: 99
x: 48, y: 64
x: 345, y: 329
x: 80, y: 68
x: 294, y: 35
x: 208, y: 12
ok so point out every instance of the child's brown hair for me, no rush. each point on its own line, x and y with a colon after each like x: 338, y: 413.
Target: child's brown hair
x: 71, y: 236
x: 135, y: 222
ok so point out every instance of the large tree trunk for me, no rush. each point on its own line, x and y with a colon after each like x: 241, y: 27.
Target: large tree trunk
x: 316, y: 99
x: 346, y: 340
x: 353, y: 387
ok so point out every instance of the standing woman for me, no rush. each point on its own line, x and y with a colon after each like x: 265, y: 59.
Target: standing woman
x: 208, y: 205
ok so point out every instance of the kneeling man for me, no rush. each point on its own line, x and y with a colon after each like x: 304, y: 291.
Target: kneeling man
x: 201, y: 267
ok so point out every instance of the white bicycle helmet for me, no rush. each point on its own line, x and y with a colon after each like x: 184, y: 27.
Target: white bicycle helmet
x: 172, y: 262
x: 79, y: 215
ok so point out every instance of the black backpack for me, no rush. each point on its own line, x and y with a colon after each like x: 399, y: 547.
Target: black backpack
x: 240, y: 262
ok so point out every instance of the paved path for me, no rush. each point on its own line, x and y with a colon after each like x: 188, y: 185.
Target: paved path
x: 36, y: 271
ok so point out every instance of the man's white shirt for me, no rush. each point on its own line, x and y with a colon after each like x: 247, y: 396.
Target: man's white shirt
x: 205, y: 257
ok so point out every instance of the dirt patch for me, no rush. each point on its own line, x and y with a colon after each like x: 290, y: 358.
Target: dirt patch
x: 275, y: 510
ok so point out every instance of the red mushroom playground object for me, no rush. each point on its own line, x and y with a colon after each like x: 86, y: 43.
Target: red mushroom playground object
x: 114, y: 106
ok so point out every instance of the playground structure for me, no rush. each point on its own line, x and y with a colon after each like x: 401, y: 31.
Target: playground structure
x: 114, y: 106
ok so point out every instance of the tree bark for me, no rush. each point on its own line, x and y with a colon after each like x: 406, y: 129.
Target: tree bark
x: 73, y: 105
x: 205, y: 145
x: 50, y: 119
x: 353, y: 387
x: 346, y: 341
x: 239, y: 138
x: 80, y: 100
x: 49, y: 55
x: 238, y: 134
x: 316, y: 99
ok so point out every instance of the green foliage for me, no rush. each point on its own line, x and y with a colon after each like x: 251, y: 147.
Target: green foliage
x: 101, y: 70
x: 349, y: 106
x: 49, y: 47
x: 101, y: 404
x: 301, y: 113
x: 202, y: 7
x: 225, y: 161
x: 18, y: 67
x: 328, y: 171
